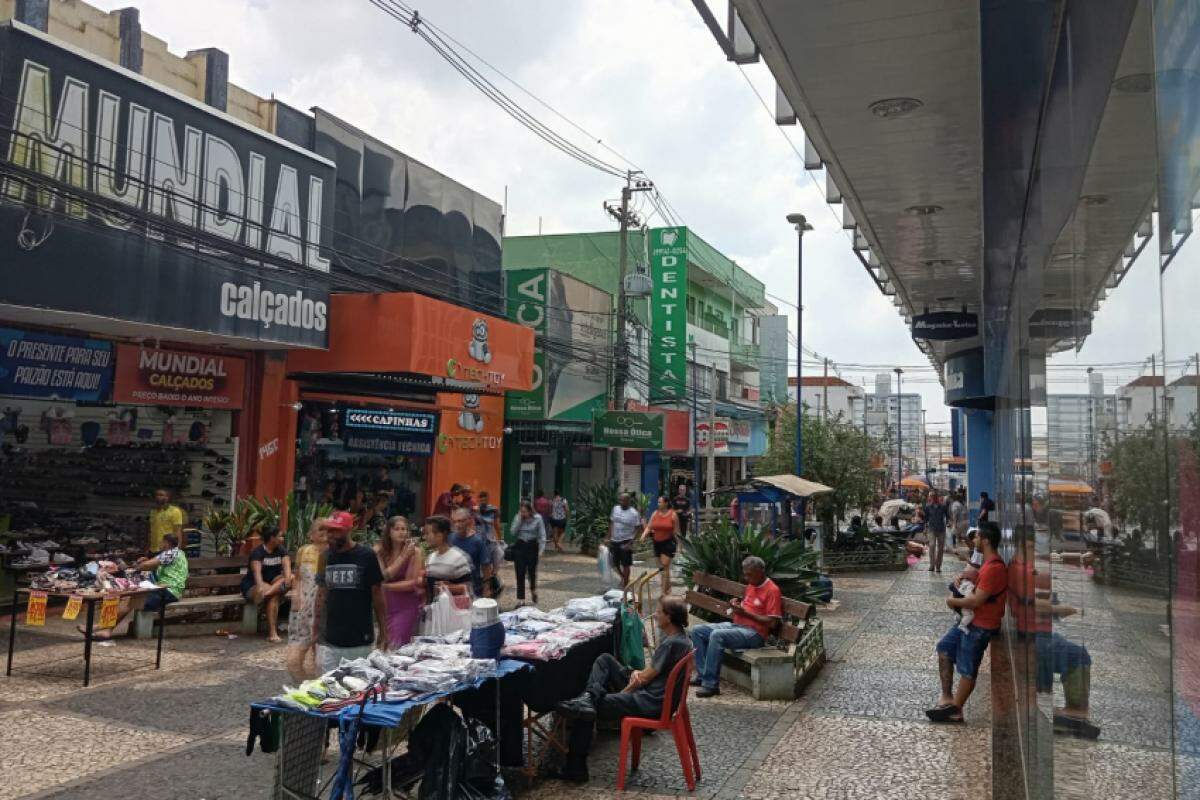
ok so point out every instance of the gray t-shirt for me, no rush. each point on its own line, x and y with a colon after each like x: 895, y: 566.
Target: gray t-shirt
x: 665, y: 657
x: 625, y: 522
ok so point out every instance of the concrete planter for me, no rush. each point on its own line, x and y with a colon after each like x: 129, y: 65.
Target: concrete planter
x: 865, y: 561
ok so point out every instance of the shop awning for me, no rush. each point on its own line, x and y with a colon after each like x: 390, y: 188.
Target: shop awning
x: 914, y: 482
x: 789, y: 484
x: 1070, y: 487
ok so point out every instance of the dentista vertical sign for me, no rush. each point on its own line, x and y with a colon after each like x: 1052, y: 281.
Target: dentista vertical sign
x: 668, y: 314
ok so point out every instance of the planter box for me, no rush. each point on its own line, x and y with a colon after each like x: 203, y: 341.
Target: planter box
x: 867, y: 561
x: 1126, y: 576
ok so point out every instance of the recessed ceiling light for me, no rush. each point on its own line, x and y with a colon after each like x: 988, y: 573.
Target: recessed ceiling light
x: 1136, y: 83
x: 1094, y: 199
x: 895, y: 107
x: 947, y: 299
x: 939, y: 262
x: 922, y: 210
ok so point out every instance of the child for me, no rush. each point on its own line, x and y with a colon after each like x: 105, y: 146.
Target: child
x: 960, y: 587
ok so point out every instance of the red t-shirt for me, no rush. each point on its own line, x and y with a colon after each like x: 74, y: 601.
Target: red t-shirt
x: 763, y: 599
x: 1024, y: 584
x: 662, y: 525
x: 993, y: 582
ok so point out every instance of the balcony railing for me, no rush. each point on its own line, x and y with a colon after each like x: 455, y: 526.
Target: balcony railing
x: 710, y: 324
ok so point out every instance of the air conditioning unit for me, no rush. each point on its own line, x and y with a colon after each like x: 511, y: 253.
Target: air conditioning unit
x: 638, y: 284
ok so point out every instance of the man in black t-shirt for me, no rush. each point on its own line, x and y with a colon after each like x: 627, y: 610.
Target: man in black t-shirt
x: 350, y: 590
x: 269, y: 577
x: 683, y: 508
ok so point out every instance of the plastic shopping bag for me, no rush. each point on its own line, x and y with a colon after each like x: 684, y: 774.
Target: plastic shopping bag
x: 443, y: 616
x: 633, y: 635
x: 604, y: 566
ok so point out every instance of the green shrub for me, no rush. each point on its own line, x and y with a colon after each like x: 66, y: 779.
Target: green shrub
x: 720, y: 548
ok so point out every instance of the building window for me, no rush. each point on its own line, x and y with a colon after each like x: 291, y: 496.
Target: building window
x: 722, y: 385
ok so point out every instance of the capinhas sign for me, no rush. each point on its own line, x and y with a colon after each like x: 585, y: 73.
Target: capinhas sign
x: 162, y: 172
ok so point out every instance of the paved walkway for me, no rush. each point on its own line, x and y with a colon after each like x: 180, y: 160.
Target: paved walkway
x: 179, y: 733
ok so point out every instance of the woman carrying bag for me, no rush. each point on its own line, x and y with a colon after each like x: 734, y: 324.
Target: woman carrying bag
x: 665, y: 527
x: 529, y: 533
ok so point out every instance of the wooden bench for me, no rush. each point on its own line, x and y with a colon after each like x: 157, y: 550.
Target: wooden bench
x: 774, y: 672
x: 212, y: 584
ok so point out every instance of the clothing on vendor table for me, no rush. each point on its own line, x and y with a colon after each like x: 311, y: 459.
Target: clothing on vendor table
x: 304, y: 595
x: 172, y: 571
x: 605, y: 684
x: 163, y: 521
x: 348, y: 579
x: 329, y: 658
x: 711, y: 640
x: 272, y: 566
x: 480, y: 553
x: 403, y: 607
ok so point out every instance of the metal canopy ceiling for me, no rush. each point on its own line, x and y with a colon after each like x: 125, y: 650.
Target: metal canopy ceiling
x: 911, y: 181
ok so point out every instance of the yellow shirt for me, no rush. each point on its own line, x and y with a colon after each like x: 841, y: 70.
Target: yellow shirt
x: 163, y: 521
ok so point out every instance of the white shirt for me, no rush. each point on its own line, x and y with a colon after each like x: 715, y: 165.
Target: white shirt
x: 625, y: 522
x: 451, y: 565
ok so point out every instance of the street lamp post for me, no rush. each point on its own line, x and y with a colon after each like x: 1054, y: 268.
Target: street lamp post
x: 801, y: 225
x: 899, y: 435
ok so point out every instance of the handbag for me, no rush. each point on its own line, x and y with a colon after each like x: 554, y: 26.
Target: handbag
x: 510, y: 552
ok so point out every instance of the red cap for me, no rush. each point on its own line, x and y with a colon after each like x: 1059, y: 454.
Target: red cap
x: 341, y: 520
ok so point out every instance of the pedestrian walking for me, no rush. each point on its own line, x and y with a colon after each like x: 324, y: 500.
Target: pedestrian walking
x: 560, y: 510
x: 403, y: 580
x: 624, y: 523
x: 664, y: 527
x: 302, y: 646
x: 529, y: 534
x: 350, y: 604
x: 935, y: 513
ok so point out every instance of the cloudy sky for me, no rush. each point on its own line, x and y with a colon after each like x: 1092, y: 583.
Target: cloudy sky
x: 646, y: 77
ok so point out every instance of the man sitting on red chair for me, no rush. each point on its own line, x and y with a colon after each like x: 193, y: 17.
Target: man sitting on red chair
x: 614, y: 691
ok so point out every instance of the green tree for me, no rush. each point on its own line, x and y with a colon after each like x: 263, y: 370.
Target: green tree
x: 836, y: 454
x: 1144, y: 478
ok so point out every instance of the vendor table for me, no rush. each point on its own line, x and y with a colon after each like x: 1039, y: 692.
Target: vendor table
x: 299, y: 756
x: 89, y: 600
x: 549, y: 683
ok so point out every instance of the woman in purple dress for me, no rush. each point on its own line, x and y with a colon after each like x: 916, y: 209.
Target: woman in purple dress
x: 403, y: 581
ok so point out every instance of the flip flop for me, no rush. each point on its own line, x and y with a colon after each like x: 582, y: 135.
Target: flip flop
x: 950, y: 714
x: 1075, y: 726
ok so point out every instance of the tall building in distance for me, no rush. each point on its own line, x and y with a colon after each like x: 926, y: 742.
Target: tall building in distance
x: 1079, y: 428
x: 829, y: 396
x: 895, y: 421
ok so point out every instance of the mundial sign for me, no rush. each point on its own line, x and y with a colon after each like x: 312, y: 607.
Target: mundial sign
x: 942, y: 326
x: 156, y: 162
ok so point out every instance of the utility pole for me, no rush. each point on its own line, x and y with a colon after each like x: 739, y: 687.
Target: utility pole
x: 801, y: 225
x: 925, y: 442
x: 899, y: 433
x: 711, y: 477
x: 695, y: 374
x: 825, y: 392
x: 626, y: 219
x: 1154, y: 388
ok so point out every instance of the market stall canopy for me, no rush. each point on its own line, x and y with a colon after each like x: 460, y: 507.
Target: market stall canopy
x: 914, y: 482
x: 1070, y: 487
x: 792, y: 484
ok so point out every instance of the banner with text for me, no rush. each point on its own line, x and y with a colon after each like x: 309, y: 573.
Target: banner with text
x: 394, y: 433
x: 160, y: 377
x: 668, y: 314
x: 633, y: 430
x: 47, y: 366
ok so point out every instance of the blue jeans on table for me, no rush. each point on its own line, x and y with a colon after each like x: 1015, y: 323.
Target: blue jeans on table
x: 712, y: 640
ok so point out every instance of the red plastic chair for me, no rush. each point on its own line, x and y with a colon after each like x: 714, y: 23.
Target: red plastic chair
x: 679, y: 723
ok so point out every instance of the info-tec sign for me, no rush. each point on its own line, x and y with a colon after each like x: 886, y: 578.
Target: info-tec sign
x: 161, y: 172
x: 389, y: 432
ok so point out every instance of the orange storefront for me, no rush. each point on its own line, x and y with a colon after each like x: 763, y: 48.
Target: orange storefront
x: 404, y: 355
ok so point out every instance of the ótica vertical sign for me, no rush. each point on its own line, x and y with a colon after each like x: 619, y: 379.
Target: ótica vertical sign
x: 668, y: 314
x: 527, y: 292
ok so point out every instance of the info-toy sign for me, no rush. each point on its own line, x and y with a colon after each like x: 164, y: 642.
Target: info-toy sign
x: 632, y: 430
x: 668, y: 314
